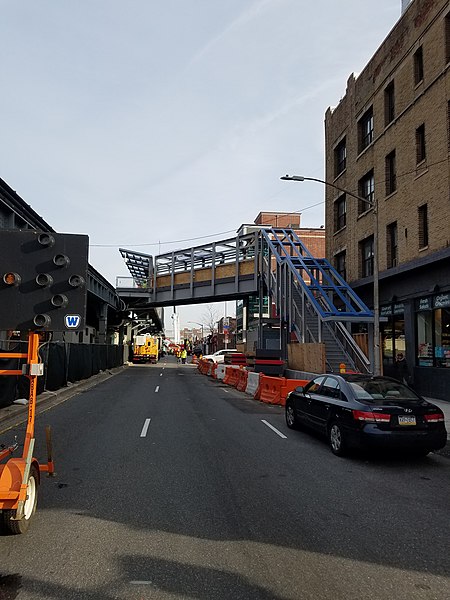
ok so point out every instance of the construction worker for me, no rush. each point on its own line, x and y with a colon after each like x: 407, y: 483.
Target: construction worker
x: 183, y: 356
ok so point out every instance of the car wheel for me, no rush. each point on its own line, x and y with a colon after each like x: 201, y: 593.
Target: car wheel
x: 291, y: 418
x: 336, y: 439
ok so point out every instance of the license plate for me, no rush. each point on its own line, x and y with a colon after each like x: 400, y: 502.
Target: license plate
x: 407, y: 420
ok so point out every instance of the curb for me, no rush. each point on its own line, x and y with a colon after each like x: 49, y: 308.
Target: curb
x: 13, y: 415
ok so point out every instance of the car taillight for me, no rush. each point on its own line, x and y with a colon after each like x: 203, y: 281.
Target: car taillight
x: 371, y: 417
x: 434, y: 418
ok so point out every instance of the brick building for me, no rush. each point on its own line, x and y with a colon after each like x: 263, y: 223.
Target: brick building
x: 313, y: 238
x: 388, y: 141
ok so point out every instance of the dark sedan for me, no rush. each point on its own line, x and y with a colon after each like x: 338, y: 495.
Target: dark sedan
x: 361, y: 411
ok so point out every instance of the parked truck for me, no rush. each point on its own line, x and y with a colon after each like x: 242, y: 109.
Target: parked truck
x: 146, y: 349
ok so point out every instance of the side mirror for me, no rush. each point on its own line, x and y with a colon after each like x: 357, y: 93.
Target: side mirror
x: 299, y: 389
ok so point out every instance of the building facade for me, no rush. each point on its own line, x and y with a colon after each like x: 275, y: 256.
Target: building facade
x: 388, y: 143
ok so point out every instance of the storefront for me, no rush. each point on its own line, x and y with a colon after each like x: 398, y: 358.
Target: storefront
x: 433, y: 331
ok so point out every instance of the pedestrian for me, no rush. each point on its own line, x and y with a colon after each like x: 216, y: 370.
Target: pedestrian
x: 183, y: 356
x: 178, y: 356
x: 402, y: 368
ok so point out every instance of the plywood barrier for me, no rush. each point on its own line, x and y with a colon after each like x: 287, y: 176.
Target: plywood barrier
x: 307, y: 357
x: 246, y: 267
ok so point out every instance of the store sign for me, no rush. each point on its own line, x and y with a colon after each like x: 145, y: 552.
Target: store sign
x: 396, y: 309
x: 424, y: 304
x: 442, y: 301
x: 399, y: 308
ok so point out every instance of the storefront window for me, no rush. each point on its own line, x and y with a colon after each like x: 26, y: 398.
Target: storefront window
x: 425, y: 339
x: 387, y: 341
x: 442, y: 337
x: 393, y: 332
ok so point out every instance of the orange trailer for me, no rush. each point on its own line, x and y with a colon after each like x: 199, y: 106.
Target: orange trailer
x: 20, y: 477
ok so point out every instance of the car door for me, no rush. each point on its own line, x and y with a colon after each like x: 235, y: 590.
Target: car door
x: 323, y: 402
x: 303, y: 400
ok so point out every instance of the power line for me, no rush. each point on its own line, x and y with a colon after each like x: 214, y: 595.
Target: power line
x: 292, y: 212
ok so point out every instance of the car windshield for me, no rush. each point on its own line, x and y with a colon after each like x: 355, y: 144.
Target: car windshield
x: 381, y: 390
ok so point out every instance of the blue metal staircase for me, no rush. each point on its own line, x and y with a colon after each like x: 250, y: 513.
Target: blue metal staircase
x: 312, y: 299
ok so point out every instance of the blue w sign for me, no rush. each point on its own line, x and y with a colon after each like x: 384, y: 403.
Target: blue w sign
x: 72, y: 321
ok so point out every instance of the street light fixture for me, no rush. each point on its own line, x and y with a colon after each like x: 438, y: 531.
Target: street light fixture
x: 201, y: 325
x: 376, y: 296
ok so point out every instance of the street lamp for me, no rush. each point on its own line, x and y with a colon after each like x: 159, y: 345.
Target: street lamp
x: 376, y: 297
x: 201, y: 325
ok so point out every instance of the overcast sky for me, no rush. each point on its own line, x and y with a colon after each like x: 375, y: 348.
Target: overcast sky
x: 145, y: 122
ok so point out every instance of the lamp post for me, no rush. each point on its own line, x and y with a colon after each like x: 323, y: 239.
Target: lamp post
x: 201, y: 325
x: 376, y: 297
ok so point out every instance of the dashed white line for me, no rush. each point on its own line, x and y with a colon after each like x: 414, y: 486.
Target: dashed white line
x: 157, y: 388
x: 141, y: 582
x: 145, y: 427
x: 274, y: 429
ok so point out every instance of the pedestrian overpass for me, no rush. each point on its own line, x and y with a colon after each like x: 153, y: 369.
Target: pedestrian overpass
x: 312, y: 301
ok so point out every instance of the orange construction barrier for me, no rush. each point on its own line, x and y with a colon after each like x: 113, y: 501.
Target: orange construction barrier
x: 241, y: 383
x: 289, y: 385
x: 271, y: 389
x: 213, y: 371
x: 231, y: 376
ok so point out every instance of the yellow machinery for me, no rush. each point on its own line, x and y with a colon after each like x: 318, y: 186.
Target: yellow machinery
x: 145, y: 349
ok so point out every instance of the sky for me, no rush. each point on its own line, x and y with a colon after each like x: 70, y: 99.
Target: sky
x: 148, y: 122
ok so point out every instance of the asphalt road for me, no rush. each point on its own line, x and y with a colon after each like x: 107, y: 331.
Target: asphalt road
x: 173, y: 486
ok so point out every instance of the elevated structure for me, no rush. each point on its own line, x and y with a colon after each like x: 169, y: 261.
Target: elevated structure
x: 103, y: 303
x: 312, y: 300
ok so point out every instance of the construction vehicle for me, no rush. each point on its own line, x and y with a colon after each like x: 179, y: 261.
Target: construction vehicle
x: 146, y: 349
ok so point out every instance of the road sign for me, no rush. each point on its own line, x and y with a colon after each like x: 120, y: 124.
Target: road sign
x: 43, y: 278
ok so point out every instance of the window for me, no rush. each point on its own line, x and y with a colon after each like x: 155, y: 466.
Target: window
x: 366, y: 254
x: 392, y: 248
x: 389, y: 104
x: 442, y: 335
x: 340, y: 264
x: 340, y: 157
x: 425, y: 338
x: 433, y: 331
x: 331, y: 388
x: 314, y: 385
x: 420, y: 144
x: 393, y: 338
x: 418, y: 66
x: 423, y: 226
x: 365, y: 130
x: 366, y: 187
x: 340, y: 213
x: 391, y: 173
x: 447, y: 38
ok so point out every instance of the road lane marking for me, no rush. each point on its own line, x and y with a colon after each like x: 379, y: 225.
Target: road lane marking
x: 145, y: 427
x: 157, y: 388
x: 141, y: 582
x: 274, y: 429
